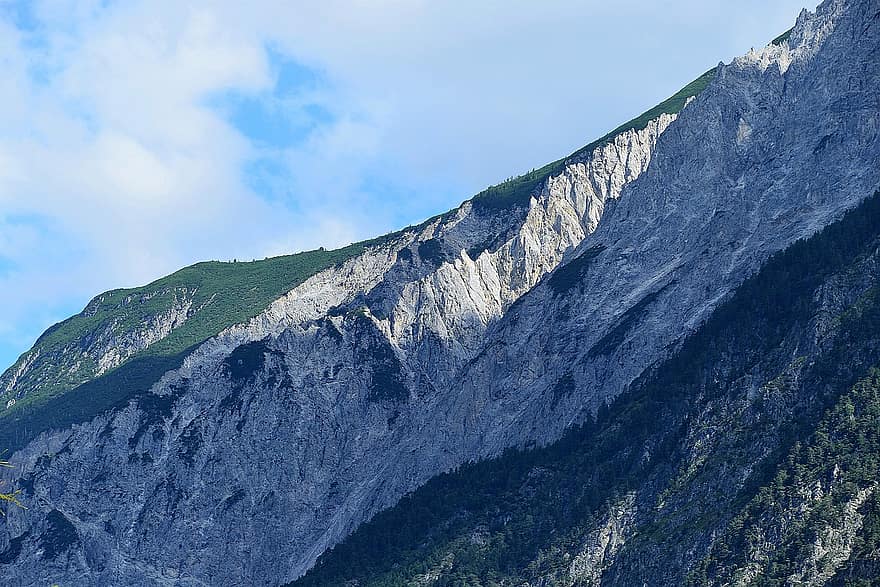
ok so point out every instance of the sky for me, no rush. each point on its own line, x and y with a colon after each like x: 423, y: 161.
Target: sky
x: 140, y: 137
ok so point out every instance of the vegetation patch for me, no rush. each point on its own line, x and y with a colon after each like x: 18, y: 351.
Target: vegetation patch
x: 114, y: 390
x: 221, y: 294
x: 783, y: 37
x: 841, y: 458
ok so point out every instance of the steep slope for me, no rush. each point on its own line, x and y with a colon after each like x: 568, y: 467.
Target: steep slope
x: 449, y: 342
x: 779, y: 144
x: 322, y: 336
x: 182, y: 309
x: 651, y: 491
x: 314, y: 362
x: 124, y: 340
x: 135, y: 335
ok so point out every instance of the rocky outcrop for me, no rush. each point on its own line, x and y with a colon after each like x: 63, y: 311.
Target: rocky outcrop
x: 748, y: 457
x: 350, y: 345
x: 707, y: 212
x: 604, y: 542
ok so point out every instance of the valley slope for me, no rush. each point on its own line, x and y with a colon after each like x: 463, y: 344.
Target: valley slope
x: 748, y: 457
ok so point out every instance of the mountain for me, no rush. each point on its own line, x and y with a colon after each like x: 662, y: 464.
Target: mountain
x: 751, y: 456
x: 629, y: 309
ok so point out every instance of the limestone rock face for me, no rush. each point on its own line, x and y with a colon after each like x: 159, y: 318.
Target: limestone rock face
x: 483, y: 329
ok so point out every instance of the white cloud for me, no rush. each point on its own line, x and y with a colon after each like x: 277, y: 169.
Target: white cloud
x: 115, y: 166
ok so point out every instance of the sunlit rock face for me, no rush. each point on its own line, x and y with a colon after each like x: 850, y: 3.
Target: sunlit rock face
x: 483, y: 329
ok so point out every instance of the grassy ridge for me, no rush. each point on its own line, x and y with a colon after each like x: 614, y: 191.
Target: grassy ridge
x: 223, y: 294
x: 517, y: 191
x: 782, y: 38
x: 64, y: 391
x: 56, y: 411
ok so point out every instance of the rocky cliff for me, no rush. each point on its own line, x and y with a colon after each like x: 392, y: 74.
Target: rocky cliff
x: 749, y: 457
x: 502, y: 323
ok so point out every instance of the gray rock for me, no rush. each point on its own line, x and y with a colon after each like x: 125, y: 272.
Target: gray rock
x: 278, y: 437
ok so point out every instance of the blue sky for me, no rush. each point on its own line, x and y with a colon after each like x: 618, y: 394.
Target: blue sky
x: 138, y: 137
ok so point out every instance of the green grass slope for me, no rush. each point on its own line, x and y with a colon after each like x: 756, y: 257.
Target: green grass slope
x: 64, y: 388
x: 222, y: 294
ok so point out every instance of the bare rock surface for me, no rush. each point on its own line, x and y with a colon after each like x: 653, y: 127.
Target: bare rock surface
x: 481, y: 330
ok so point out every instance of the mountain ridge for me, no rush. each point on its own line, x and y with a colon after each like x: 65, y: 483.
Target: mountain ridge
x: 299, y: 266
x: 564, y: 513
x: 367, y: 380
